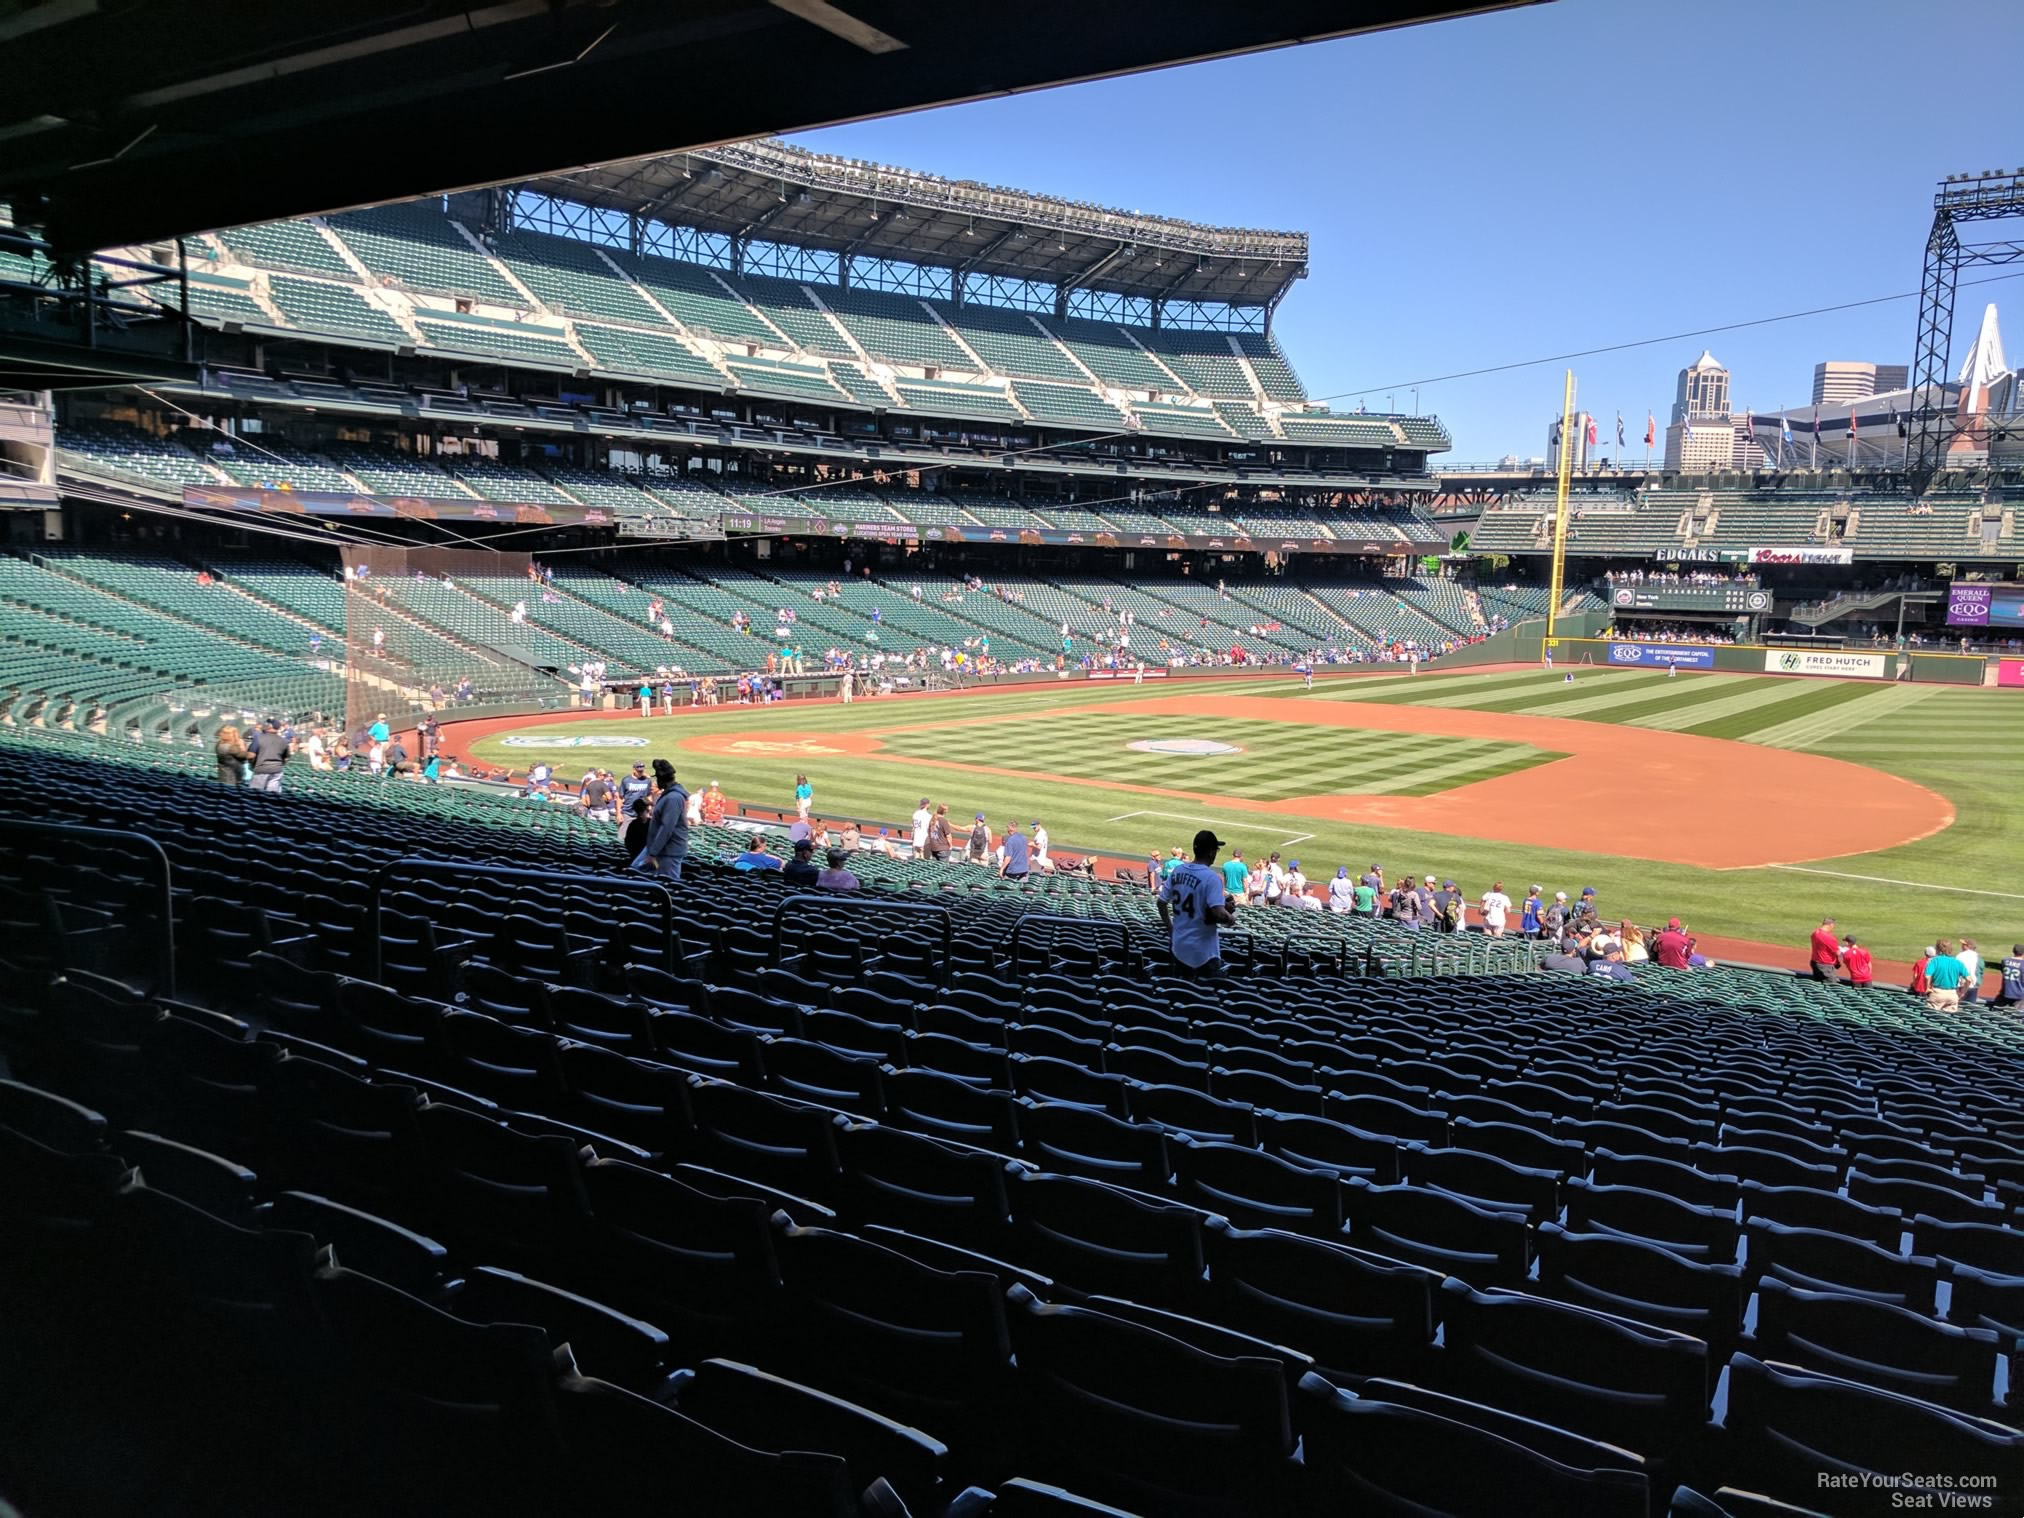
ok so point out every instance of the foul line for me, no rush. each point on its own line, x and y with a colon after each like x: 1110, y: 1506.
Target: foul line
x: 1241, y: 827
x: 1918, y: 885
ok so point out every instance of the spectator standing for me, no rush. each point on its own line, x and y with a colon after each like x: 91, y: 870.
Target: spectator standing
x: 924, y: 817
x: 1945, y: 975
x: 1919, y: 985
x: 1555, y: 920
x: 1529, y: 914
x: 379, y: 732
x: 596, y: 797
x: 1296, y: 884
x: 233, y: 756
x: 804, y: 797
x: 635, y: 787
x: 1970, y: 956
x: 714, y: 805
x: 1496, y: 909
x: 1235, y: 872
x: 270, y: 758
x: 639, y: 827
x: 1824, y: 951
x: 1365, y: 898
x: 1041, y: 862
x: 668, y: 842
x: 938, y: 834
x: 2013, y: 977
x: 1194, y: 905
x: 1856, y: 960
x: 980, y: 840
x: 1017, y: 863
x: 1341, y: 892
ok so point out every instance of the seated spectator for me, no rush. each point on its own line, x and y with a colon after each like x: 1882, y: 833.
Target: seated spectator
x: 1567, y: 959
x: 802, y: 870
x: 836, y: 877
x: 755, y: 856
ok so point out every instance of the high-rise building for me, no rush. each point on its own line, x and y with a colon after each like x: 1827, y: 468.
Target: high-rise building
x: 1701, y: 436
x: 1836, y: 382
x: 1703, y: 390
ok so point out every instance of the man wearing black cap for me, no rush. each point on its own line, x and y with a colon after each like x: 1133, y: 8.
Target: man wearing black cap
x: 635, y: 787
x: 1194, y: 904
x: 802, y: 870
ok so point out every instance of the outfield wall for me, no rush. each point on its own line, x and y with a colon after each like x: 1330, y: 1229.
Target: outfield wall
x: 1882, y: 665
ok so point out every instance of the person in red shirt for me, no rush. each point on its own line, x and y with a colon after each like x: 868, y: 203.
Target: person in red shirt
x: 1855, y: 959
x: 1825, y: 951
x: 1672, y: 949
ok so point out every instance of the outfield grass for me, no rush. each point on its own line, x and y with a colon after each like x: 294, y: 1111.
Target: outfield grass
x: 1962, y: 743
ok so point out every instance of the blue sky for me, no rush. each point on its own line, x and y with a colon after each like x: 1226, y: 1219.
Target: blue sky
x: 1557, y: 177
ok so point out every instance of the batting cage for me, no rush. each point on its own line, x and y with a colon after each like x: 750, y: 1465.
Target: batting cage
x: 428, y: 629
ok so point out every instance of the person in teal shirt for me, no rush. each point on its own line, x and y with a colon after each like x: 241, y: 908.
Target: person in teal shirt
x: 804, y: 796
x: 1945, y: 975
x: 1234, y: 872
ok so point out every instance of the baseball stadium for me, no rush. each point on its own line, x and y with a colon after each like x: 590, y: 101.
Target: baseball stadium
x: 747, y: 832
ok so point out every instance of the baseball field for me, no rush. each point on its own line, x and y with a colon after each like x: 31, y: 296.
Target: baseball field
x: 1748, y: 805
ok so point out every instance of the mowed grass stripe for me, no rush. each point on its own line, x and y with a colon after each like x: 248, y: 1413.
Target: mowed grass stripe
x: 1435, y: 778
x: 1680, y: 695
x: 1611, y: 689
x: 1747, y: 698
x: 1836, y: 726
x: 1801, y: 703
x: 1445, y: 692
x: 1608, y: 697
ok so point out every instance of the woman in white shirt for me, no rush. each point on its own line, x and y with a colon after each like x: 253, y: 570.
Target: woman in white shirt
x: 1496, y: 910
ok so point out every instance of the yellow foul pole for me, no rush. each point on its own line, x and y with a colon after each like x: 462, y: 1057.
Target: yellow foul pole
x: 1564, y: 467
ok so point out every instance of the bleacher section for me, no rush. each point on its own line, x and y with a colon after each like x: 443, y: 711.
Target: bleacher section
x: 784, y: 378
x: 1275, y: 374
x: 1112, y: 356
x: 571, y: 279
x: 494, y: 337
x: 1010, y: 342
x: 1338, y: 431
x: 1181, y: 421
x: 421, y: 249
x: 697, y: 299
x: 949, y: 398
x: 897, y: 328
x: 337, y: 310
x: 1203, y: 359
x: 1068, y: 406
x: 127, y: 450
x: 296, y: 245
x: 647, y: 355
x: 787, y: 306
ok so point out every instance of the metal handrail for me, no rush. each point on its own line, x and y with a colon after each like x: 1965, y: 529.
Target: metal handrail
x: 165, y: 949
x: 853, y: 902
x: 1063, y: 920
x: 470, y: 869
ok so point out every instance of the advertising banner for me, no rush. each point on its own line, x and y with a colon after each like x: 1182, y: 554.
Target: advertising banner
x: 2010, y: 672
x: 1985, y: 605
x: 1658, y: 655
x: 1813, y: 554
x: 1968, y: 605
x: 1822, y: 661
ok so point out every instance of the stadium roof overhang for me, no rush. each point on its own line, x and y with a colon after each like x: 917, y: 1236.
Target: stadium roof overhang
x: 785, y: 194
x: 123, y: 124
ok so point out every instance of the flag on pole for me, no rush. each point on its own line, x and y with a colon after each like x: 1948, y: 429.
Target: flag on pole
x: 1651, y: 430
x: 1897, y: 418
x: 1619, y: 429
x: 1688, y: 422
x: 1851, y: 424
x: 1556, y: 433
x: 1591, y: 432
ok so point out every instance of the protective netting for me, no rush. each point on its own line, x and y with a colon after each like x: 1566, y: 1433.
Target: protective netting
x: 420, y: 634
